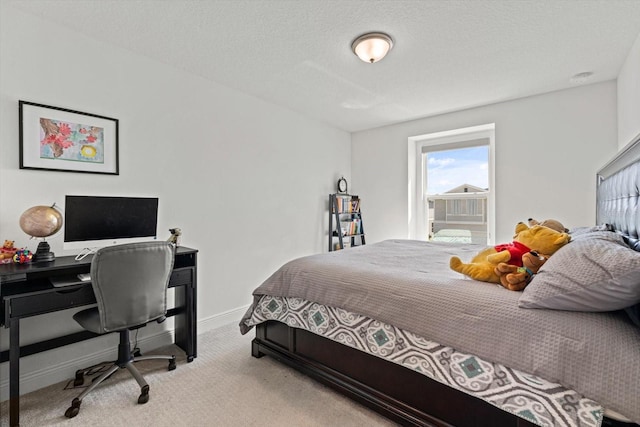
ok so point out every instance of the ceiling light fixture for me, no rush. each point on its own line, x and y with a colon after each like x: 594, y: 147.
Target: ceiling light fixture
x: 372, y: 47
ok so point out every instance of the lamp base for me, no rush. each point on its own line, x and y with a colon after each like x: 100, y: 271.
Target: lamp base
x: 43, y: 253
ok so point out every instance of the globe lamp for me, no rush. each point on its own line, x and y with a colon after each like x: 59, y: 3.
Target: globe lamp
x: 42, y: 222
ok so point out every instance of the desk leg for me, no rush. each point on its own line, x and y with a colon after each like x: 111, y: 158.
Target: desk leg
x: 193, y: 319
x: 185, y: 322
x: 14, y: 372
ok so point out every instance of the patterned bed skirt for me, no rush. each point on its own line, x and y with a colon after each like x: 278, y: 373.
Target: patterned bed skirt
x: 527, y: 396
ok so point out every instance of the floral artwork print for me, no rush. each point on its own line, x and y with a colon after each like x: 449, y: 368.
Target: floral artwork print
x: 71, y: 141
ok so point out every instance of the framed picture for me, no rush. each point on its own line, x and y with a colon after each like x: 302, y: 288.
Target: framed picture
x: 58, y: 139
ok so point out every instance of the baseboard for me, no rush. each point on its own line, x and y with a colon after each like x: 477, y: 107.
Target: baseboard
x: 34, y: 379
x: 221, y: 319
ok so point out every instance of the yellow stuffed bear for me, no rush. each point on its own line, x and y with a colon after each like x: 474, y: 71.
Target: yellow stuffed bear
x: 7, y: 250
x: 537, y: 238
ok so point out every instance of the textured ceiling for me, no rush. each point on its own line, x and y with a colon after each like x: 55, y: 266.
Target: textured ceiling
x: 448, y: 55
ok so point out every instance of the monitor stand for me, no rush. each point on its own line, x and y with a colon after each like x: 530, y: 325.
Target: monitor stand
x: 85, y: 253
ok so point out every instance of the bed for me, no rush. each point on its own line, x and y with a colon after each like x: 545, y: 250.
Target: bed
x: 391, y: 326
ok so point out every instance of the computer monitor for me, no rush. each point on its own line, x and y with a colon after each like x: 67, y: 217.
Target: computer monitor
x: 92, y: 222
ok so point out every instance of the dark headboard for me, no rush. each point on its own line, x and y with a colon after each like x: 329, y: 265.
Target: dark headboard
x: 618, y: 194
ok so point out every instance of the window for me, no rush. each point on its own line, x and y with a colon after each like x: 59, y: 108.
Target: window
x: 450, y: 186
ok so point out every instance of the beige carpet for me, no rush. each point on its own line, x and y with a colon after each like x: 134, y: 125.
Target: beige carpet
x: 224, y: 386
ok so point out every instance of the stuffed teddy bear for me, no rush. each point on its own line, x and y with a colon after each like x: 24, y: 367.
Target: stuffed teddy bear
x: 7, y: 250
x: 537, y: 238
x: 551, y: 223
x: 517, y: 278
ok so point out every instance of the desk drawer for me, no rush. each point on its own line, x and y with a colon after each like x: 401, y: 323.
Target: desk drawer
x: 51, y: 300
x: 181, y: 277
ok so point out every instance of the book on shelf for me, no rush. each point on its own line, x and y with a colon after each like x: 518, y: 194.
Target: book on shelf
x: 347, y: 204
x: 345, y: 245
x: 358, y: 226
x: 343, y: 204
x: 350, y: 228
x: 354, y: 227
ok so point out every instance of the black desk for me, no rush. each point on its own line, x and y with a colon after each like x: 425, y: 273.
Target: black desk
x: 25, y: 291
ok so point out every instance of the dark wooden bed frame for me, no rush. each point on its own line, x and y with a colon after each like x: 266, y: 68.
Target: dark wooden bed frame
x: 401, y: 394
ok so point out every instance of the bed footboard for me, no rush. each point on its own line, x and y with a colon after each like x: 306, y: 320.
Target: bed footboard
x: 400, y: 394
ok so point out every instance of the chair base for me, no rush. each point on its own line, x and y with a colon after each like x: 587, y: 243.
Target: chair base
x: 125, y: 361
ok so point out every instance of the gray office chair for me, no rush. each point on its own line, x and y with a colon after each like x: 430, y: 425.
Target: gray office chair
x: 130, y: 283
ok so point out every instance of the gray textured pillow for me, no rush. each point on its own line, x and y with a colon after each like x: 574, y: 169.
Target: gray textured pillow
x: 596, y: 271
x: 583, y: 231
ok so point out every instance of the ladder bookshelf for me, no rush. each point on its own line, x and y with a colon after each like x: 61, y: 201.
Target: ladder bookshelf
x: 345, y: 222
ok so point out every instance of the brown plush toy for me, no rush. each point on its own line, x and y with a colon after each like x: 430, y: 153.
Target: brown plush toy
x: 551, y: 223
x: 537, y: 238
x: 517, y: 278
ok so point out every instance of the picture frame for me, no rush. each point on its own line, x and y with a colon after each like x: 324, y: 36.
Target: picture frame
x: 63, y: 140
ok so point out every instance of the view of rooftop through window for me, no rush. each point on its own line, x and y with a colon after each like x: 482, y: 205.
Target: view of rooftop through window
x: 456, y: 196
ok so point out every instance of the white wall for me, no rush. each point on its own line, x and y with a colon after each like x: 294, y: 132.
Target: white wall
x: 247, y: 181
x: 548, y: 149
x: 629, y: 97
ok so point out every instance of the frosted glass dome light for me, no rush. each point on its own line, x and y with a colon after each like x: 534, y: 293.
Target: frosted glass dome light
x: 372, y: 47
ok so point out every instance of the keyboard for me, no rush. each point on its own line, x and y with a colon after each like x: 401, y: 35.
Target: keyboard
x: 61, y: 281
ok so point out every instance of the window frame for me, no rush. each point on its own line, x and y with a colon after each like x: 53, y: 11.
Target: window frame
x: 482, y: 135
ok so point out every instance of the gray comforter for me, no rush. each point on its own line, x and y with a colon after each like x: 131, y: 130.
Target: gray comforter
x: 409, y: 284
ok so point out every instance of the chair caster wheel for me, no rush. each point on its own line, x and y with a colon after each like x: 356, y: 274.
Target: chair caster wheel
x: 79, y: 379
x: 144, y: 396
x: 73, y: 410
x: 172, y: 364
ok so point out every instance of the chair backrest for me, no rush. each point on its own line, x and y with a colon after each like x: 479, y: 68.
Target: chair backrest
x: 130, y: 283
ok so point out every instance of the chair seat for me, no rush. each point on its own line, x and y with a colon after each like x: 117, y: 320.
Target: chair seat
x: 89, y: 319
